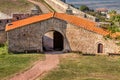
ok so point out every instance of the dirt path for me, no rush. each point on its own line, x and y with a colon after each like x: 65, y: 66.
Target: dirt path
x: 43, y: 8
x: 52, y: 60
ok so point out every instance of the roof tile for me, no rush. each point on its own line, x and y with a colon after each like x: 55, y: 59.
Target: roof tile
x: 81, y: 22
x: 23, y: 22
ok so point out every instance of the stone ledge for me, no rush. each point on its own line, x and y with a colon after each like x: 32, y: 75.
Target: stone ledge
x: 114, y: 54
x: 88, y: 54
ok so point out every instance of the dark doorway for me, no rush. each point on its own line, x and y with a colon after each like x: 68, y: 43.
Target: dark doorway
x: 53, y: 41
x: 58, y: 41
x: 100, y: 48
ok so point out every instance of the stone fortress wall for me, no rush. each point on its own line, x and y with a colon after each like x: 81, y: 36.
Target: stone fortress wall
x: 76, y: 39
x: 87, y: 41
x: 4, y: 19
x: 30, y: 36
x: 3, y: 37
x: 57, y: 4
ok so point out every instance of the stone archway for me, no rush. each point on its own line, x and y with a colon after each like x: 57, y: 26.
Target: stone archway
x: 53, y: 41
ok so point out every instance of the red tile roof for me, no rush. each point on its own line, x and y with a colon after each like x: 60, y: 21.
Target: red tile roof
x: 80, y: 22
x: 23, y: 22
x: 102, y: 9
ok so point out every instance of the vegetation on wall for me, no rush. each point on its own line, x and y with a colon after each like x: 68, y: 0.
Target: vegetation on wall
x: 116, y: 19
x: 115, y: 22
x: 113, y: 28
x: 107, y: 37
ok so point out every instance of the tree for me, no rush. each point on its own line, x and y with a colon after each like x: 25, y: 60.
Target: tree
x: 116, y: 19
x: 84, y: 8
x: 114, y: 29
x: 113, y: 12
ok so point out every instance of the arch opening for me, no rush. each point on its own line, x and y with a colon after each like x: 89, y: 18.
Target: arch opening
x: 53, y: 41
x: 100, y: 48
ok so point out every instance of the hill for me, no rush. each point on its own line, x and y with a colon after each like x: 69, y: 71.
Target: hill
x: 15, y: 6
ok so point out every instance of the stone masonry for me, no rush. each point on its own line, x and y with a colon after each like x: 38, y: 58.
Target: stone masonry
x: 75, y: 38
x: 30, y: 36
x: 87, y: 41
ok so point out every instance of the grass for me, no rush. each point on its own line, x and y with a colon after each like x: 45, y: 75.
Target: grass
x: 11, y: 64
x: 76, y: 67
x: 15, y: 6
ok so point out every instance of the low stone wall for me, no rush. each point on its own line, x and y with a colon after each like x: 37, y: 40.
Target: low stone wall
x: 57, y: 4
x: 2, y: 37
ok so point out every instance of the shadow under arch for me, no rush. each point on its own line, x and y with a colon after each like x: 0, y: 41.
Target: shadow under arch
x: 52, y: 40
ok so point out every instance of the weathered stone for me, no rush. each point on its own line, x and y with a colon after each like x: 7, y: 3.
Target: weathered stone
x: 2, y: 37
x: 30, y: 37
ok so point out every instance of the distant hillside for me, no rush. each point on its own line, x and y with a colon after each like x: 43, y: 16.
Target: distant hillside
x: 15, y: 6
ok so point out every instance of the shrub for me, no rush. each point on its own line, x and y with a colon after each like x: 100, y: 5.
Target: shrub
x: 84, y: 8
x: 3, y: 49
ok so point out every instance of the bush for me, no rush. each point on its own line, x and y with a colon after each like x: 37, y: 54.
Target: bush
x: 84, y: 8
x: 2, y: 45
x: 114, y: 29
x: 3, y: 50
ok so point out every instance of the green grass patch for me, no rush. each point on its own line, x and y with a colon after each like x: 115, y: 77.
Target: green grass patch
x: 17, y: 6
x: 11, y: 64
x: 86, y: 68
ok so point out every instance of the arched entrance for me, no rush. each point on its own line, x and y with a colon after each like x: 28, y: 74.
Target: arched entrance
x: 53, y: 41
x: 100, y: 48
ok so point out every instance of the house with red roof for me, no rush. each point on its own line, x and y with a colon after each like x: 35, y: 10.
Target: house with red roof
x: 102, y: 10
x: 69, y: 34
